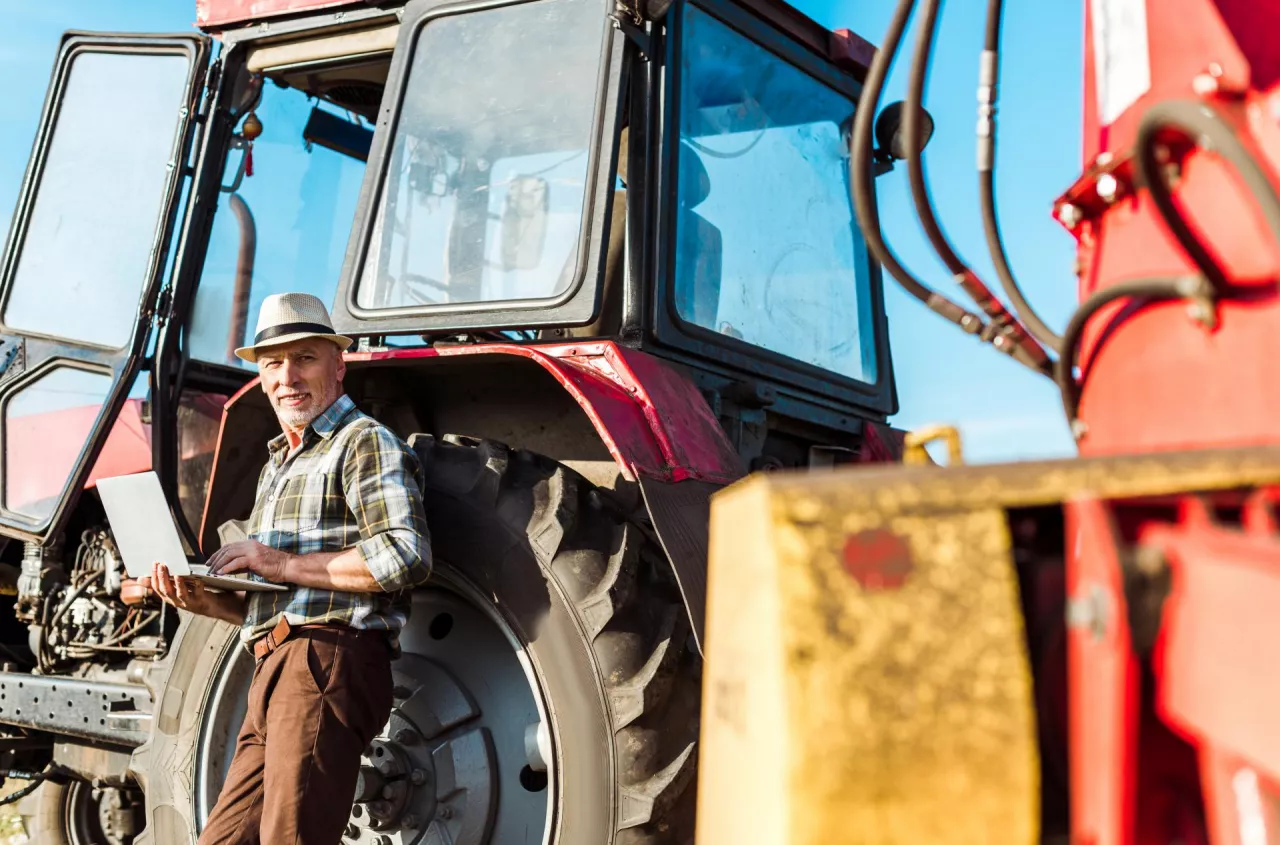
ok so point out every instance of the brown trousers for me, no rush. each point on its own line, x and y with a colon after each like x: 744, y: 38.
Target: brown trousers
x: 314, y: 705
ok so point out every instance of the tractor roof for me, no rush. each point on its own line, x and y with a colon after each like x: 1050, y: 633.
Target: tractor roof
x: 221, y: 14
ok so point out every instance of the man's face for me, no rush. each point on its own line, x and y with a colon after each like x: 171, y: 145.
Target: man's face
x: 302, y: 379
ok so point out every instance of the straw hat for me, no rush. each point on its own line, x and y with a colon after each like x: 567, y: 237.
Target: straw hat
x: 286, y: 317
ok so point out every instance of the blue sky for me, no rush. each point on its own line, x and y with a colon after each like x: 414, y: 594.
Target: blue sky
x: 1004, y: 411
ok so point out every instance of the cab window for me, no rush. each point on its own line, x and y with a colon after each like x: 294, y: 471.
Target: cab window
x: 285, y: 228
x: 767, y: 249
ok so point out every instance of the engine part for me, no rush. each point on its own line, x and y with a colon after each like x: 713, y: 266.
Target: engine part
x: 41, y: 572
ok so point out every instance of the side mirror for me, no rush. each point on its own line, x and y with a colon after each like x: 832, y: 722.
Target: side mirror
x: 891, y: 141
x: 524, y: 223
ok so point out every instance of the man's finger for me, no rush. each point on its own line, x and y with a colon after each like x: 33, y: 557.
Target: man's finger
x: 232, y: 566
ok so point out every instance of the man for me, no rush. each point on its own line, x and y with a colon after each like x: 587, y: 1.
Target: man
x: 339, y: 518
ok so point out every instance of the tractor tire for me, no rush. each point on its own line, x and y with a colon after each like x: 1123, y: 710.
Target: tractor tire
x: 67, y: 814
x: 592, y: 612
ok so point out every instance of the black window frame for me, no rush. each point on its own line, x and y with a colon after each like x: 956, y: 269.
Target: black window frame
x: 669, y: 329
x: 580, y: 304
x: 40, y: 355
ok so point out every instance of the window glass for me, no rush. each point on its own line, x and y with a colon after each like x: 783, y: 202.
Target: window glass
x: 285, y: 229
x: 199, y: 420
x: 90, y: 236
x: 767, y: 246
x: 45, y: 428
x: 487, y: 176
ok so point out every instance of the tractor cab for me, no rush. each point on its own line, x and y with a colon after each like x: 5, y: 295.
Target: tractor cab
x: 669, y: 178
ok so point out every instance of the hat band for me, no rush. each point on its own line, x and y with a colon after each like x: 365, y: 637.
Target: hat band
x: 290, y: 328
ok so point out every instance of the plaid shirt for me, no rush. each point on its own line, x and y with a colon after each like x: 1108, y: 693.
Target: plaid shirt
x: 351, y: 482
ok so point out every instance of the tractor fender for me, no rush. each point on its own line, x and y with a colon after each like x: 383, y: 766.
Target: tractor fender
x: 654, y: 423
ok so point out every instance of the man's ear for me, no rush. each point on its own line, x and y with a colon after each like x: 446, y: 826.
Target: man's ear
x: 341, y: 370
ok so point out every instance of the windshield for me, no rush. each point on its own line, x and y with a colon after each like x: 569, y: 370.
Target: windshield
x: 487, y: 176
x: 767, y: 247
x: 284, y: 229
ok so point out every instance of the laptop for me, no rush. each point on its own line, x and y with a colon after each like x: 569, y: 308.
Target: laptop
x: 146, y: 534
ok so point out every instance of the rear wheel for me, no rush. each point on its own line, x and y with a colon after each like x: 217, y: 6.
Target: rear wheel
x: 547, y: 692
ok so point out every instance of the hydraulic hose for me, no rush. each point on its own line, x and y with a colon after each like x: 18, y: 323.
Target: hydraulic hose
x: 865, y: 204
x: 1022, y: 346
x: 988, y: 95
x: 1202, y: 124
x: 1147, y: 289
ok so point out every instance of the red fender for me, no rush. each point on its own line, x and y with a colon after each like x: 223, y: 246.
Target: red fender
x: 653, y: 420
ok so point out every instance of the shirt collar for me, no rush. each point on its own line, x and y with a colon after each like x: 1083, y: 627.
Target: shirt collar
x: 324, y: 425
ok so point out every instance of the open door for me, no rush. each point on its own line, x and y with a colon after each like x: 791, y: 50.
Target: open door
x: 85, y: 257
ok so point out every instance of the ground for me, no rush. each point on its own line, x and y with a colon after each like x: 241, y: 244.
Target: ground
x: 11, y: 832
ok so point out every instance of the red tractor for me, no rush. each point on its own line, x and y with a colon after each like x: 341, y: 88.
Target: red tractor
x: 601, y: 260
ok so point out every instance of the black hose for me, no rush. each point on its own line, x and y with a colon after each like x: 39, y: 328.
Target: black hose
x: 1147, y: 289
x: 1203, y: 125
x: 1021, y: 345
x: 988, y: 94
x: 36, y: 779
x: 862, y: 181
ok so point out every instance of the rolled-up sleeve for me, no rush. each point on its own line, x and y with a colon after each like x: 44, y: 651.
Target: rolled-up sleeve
x: 382, y: 482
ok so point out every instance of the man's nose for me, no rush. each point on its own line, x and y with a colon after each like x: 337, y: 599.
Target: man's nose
x: 288, y: 372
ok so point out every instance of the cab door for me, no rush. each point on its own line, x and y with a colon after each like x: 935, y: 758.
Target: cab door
x: 85, y: 258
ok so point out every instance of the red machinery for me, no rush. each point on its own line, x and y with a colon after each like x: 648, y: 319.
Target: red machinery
x: 1181, y: 99
x: 1170, y: 599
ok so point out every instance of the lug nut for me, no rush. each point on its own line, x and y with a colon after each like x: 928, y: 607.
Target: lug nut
x: 1108, y: 187
x: 404, y: 736
x: 418, y: 777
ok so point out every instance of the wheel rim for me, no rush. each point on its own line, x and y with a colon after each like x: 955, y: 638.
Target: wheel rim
x: 466, y: 756
x: 99, y: 817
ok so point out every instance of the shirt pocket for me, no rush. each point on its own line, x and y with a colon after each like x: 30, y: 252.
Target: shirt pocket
x: 299, y: 503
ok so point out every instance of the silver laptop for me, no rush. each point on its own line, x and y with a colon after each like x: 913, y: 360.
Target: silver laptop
x: 146, y: 535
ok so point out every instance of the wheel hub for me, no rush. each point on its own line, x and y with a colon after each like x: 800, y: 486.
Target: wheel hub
x: 434, y: 774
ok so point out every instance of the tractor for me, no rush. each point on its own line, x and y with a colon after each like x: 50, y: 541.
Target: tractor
x: 601, y: 260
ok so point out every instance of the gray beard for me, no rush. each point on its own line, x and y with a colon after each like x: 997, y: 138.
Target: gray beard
x: 300, y: 417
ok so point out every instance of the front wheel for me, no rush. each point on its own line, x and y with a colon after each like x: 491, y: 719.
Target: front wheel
x: 76, y: 813
x: 547, y: 691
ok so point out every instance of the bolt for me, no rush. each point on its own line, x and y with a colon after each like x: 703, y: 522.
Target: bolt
x: 412, y: 821
x: 445, y: 812
x: 1107, y: 187
x: 1202, y: 312
x: 1209, y: 82
x: 380, y: 808
x: 404, y: 736
x: 1070, y: 215
x: 388, y: 792
x: 418, y: 777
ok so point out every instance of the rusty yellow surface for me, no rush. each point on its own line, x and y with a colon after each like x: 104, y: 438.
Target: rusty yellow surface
x: 885, y: 697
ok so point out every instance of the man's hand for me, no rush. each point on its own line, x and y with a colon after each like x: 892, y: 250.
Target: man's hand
x: 250, y: 556
x: 191, y: 594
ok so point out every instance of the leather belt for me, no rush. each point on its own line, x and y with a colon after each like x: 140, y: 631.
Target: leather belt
x: 282, y: 631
